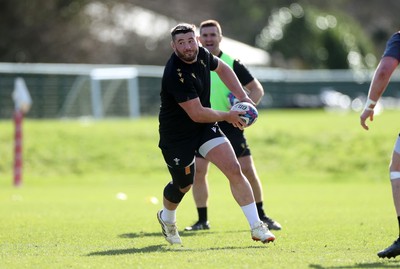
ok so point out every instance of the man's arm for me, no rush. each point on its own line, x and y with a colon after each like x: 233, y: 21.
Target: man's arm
x: 198, y: 113
x: 380, y: 80
x: 230, y: 79
x: 381, y: 77
x: 256, y: 90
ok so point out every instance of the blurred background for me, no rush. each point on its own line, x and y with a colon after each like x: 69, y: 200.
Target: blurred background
x: 85, y: 58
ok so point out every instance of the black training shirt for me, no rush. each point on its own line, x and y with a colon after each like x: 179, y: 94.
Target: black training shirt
x: 182, y: 82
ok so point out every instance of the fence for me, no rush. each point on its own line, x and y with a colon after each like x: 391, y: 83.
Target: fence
x: 70, y: 91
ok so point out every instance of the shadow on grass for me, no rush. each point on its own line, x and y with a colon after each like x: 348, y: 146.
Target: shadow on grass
x: 389, y: 264
x: 113, y: 252
x: 159, y: 234
x: 139, y: 235
x: 161, y: 248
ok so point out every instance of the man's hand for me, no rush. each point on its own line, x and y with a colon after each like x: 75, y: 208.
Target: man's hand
x: 367, y: 113
x: 235, y: 119
x: 248, y: 100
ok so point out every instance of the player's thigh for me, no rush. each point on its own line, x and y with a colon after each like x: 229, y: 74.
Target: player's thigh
x: 180, y: 161
x: 224, y: 158
x: 395, y: 162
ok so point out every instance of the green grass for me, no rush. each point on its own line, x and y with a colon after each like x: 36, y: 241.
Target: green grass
x: 325, y: 181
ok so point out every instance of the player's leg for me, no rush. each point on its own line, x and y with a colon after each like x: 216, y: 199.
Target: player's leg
x: 223, y: 157
x: 242, y: 151
x: 200, y: 184
x: 181, y: 166
x: 238, y: 141
x: 240, y: 188
x: 395, y: 180
x: 215, y: 147
x: 200, y: 195
x: 394, y: 249
x: 221, y: 154
x: 249, y: 170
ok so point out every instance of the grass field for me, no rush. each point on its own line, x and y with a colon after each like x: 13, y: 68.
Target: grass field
x: 324, y: 178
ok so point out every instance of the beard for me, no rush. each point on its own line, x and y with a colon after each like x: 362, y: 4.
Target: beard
x: 188, y: 55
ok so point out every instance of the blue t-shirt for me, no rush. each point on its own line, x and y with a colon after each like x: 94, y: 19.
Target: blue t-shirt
x: 393, y: 47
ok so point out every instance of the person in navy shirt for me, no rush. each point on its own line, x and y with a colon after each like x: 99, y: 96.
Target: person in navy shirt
x: 390, y: 60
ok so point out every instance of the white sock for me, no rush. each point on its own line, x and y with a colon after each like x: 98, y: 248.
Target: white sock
x: 250, y: 211
x: 169, y: 216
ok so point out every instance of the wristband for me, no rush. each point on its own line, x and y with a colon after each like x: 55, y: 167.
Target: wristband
x: 369, y: 103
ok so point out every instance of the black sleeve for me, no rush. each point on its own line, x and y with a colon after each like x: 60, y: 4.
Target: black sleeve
x: 213, y: 62
x: 242, y: 72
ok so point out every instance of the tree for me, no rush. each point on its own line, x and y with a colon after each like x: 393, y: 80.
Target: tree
x: 61, y: 31
x: 306, y: 37
x: 42, y: 31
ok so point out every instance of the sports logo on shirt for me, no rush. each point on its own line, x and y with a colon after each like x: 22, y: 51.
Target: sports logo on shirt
x: 176, y: 160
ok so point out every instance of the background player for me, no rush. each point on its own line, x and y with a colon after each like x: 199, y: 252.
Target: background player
x: 210, y: 38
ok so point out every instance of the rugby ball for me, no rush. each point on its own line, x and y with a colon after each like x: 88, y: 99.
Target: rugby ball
x: 251, y: 112
x: 232, y: 99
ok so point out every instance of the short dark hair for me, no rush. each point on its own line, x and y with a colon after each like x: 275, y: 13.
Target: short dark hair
x: 182, y: 28
x: 211, y: 23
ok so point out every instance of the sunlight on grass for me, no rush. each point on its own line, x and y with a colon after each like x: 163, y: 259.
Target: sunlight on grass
x: 325, y: 181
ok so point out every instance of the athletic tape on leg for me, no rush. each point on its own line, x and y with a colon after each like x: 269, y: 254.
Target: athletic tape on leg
x: 395, y: 175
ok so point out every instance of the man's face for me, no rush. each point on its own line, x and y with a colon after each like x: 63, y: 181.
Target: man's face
x: 210, y: 39
x: 186, y: 47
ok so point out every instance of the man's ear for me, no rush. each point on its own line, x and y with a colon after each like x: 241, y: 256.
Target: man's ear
x: 172, y: 45
x: 198, y: 41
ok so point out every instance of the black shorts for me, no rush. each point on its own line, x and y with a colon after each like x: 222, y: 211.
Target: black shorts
x: 182, y: 154
x: 236, y: 138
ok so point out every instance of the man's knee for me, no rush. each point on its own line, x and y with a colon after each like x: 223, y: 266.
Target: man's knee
x: 234, y: 171
x: 182, y: 177
x: 173, y: 194
x: 247, y: 167
x: 235, y: 167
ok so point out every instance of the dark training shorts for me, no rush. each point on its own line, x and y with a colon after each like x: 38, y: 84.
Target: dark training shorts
x: 182, y: 155
x: 236, y: 138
